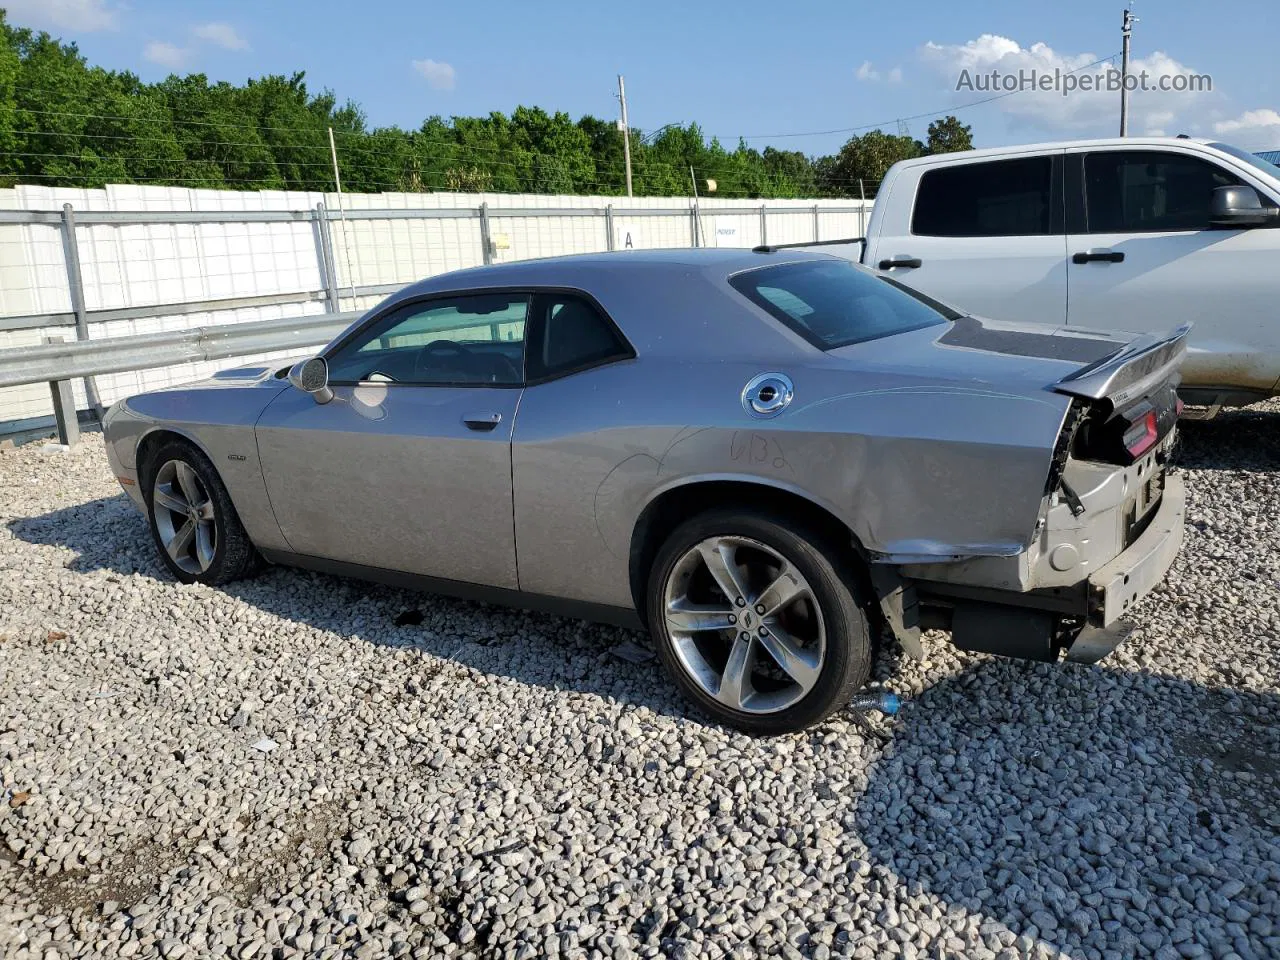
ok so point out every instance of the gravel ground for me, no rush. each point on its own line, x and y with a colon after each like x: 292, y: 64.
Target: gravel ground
x: 277, y: 769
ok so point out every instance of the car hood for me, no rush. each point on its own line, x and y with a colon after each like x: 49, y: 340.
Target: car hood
x: 989, y: 354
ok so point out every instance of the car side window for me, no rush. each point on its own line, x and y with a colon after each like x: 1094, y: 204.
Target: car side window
x: 1002, y: 198
x: 466, y: 340
x: 570, y: 333
x: 1135, y: 191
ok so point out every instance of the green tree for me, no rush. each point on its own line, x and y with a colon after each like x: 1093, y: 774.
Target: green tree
x: 10, y: 71
x: 949, y: 135
x: 867, y: 159
x: 64, y: 122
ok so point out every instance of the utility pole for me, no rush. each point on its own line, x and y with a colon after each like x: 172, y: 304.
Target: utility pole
x: 1126, y: 32
x: 626, y: 131
x: 342, y: 215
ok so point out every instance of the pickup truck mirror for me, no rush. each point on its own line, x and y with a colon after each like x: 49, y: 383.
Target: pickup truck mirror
x: 1239, y: 206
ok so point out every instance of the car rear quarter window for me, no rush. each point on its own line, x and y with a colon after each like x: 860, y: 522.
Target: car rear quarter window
x: 569, y: 334
x: 1001, y: 198
x: 832, y: 303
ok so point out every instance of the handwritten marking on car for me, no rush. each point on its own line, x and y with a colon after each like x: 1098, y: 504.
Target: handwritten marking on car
x: 757, y: 448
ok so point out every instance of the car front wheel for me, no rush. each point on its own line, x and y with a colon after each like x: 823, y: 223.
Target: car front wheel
x: 758, y: 620
x: 193, y: 523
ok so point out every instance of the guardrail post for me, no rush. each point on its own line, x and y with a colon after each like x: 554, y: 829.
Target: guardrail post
x: 816, y: 238
x: 693, y: 226
x: 764, y: 225
x: 484, y: 233
x: 75, y: 284
x: 324, y: 248
x: 64, y: 407
x: 862, y: 209
x: 608, y: 226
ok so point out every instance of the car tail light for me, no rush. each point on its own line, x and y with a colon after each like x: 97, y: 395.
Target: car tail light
x: 1142, y: 436
x: 1126, y: 435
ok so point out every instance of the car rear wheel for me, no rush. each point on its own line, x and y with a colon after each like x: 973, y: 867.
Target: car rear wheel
x: 758, y: 620
x: 194, y: 525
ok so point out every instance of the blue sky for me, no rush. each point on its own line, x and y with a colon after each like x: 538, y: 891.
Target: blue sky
x: 751, y: 68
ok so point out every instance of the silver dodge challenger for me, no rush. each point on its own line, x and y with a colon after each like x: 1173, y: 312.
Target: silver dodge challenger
x: 773, y: 460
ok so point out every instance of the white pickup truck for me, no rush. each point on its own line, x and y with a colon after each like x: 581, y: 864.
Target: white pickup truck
x: 1138, y: 234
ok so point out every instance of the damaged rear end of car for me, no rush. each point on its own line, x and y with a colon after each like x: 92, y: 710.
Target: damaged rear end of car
x: 1109, y: 526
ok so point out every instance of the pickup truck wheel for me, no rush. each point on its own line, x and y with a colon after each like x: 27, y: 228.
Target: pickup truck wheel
x: 758, y: 620
x: 194, y: 525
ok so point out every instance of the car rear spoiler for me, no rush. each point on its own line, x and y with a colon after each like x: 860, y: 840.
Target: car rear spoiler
x: 1132, y: 371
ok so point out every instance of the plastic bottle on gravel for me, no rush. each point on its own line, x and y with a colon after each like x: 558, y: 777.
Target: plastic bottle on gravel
x: 882, y: 700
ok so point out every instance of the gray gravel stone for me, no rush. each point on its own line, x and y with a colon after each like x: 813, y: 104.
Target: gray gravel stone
x: 494, y: 782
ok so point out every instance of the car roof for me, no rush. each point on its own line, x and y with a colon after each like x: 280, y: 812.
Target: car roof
x: 677, y: 299
x: 577, y: 269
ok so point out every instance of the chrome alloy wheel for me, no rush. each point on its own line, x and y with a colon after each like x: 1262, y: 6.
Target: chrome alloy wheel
x: 183, y: 512
x: 744, y: 624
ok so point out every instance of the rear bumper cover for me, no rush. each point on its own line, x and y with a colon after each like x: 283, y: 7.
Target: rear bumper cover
x: 1026, y: 624
x: 1117, y: 586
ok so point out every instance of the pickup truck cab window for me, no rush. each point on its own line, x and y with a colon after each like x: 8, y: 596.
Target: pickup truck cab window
x: 1150, y: 191
x: 1002, y: 198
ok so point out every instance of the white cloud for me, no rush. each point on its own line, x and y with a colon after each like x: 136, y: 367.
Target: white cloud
x: 166, y: 54
x: 82, y: 16
x: 1096, y: 111
x: 868, y: 73
x: 440, y: 76
x: 1252, y: 130
x: 220, y: 34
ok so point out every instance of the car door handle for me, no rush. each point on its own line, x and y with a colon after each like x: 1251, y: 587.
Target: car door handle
x: 482, y: 421
x: 1098, y: 255
x: 901, y: 261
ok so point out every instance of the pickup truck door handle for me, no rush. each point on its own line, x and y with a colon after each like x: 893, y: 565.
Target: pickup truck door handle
x: 482, y: 421
x: 902, y: 260
x: 1098, y: 255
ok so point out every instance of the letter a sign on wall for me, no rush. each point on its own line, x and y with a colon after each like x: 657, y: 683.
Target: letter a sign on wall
x: 626, y: 238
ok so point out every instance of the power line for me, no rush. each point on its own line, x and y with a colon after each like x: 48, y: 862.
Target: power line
x: 917, y: 116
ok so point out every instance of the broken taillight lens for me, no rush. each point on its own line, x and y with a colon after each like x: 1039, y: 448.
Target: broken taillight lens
x: 1142, y: 436
x: 1124, y: 436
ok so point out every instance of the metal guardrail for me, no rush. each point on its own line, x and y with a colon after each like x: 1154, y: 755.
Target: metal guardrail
x: 58, y: 363
x: 89, y: 218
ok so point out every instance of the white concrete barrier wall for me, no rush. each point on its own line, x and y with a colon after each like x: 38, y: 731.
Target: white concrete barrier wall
x: 139, y: 265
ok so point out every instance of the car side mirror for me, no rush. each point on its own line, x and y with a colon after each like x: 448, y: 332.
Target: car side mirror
x: 1239, y: 206
x: 312, y: 376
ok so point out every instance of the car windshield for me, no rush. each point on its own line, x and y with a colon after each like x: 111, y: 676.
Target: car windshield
x: 831, y: 303
x: 1266, y: 166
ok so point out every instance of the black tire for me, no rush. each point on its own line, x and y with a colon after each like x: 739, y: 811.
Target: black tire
x: 828, y: 569
x: 234, y: 556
